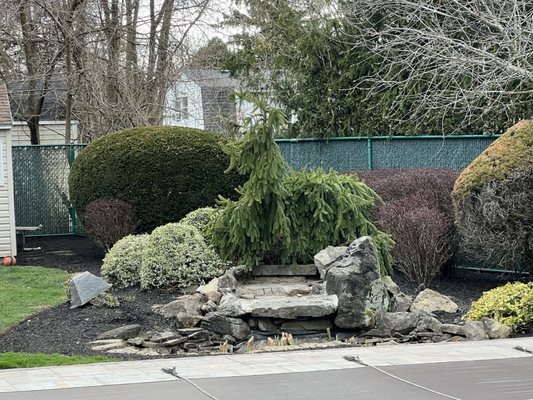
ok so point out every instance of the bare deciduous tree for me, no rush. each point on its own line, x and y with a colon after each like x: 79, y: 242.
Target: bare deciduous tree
x: 456, y: 57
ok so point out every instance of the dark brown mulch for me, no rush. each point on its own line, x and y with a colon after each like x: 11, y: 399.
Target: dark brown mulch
x: 66, y: 331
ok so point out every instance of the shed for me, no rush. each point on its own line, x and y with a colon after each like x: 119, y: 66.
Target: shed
x: 8, y: 243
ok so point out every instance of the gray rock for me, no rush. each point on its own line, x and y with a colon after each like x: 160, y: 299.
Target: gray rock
x: 175, y: 342
x: 224, y: 325
x: 266, y: 325
x: 186, y: 310
x: 431, y: 301
x: 210, y: 306
x: 163, y: 336
x: 324, y: 258
x: 452, y: 329
x: 355, y: 279
x: 397, y: 322
x: 189, y: 331
x: 109, y: 344
x: 475, y: 330
x: 122, y: 332
x: 495, y: 329
x: 84, y: 287
x: 231, y: 306
x: 210, y: 290
x: 431, y: 324
x: 392, y: 287
x: 227, y: 282
x: 199, y: 336
x: 401, y: 302
x: 308, y: 325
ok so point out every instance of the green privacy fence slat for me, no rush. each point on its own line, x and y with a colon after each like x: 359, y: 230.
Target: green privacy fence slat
x: 40, y: 175
x: 396, y: 152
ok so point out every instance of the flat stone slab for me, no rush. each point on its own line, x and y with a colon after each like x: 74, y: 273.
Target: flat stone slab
x: 285, y: 270
x: 290, y: 307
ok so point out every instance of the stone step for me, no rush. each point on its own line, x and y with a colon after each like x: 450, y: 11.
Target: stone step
x: 285, y: 270
x: 275, y: 286
x: 290, y: 307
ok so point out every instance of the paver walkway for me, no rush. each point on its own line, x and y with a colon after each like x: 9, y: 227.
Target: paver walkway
x: 128, y: 372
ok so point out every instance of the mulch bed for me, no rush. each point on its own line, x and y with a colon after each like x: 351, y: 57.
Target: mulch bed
x: 65, y: 331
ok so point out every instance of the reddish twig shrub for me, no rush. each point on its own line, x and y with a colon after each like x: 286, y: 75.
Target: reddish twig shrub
x: 109, y: 220
x: 423, y: 235
x: 417, y: 211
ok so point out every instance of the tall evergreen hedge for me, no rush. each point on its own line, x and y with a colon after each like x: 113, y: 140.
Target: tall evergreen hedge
x: 165, y: 172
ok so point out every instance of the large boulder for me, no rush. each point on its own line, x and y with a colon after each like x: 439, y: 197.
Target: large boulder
x: 356, y: 280
x: 431, y: 301
x: 397, y: 322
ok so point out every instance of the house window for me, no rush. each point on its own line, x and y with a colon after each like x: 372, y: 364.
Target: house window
x: 182, y: 108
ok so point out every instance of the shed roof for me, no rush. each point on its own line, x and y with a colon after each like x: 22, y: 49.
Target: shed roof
x: 5, y: 111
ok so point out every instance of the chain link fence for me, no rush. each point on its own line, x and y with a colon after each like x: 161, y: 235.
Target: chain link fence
x: 41, y: 172
x: 40, y: 175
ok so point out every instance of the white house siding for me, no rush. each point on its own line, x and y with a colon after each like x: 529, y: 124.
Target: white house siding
x: 8, y: 244
x: 50, y: 132
x: 195, y: 117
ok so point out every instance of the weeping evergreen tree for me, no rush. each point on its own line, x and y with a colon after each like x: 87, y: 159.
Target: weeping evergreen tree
x: 287, y: 216
x: 252, y: 226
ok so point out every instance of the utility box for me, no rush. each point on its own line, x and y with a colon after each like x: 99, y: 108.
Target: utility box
x: 8, y: 242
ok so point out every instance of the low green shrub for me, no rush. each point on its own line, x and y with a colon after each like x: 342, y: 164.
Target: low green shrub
x: 511, y: 304
x: 200, y: 218
x: 177, y: 255
x: 122, y: 263
x: 105, y: 300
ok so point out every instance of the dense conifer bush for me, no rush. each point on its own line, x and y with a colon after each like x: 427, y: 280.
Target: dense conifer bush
x: 284, y: 216
x: 164, y: 172
x: 493, y: 202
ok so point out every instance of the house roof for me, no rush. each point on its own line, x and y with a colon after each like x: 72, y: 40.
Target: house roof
x: 53, y: 105
x: 5, y: 112
x: 207, y: 78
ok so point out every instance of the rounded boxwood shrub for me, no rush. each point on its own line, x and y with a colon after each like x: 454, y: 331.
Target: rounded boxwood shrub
x: 493, y: 201
x: 163, y: 171
x: 122, y: 263
x: 177, y: 255
x: 511, y: 304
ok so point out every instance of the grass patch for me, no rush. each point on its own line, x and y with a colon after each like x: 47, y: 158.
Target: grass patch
x: 25, y: 291
x: 26, y: 360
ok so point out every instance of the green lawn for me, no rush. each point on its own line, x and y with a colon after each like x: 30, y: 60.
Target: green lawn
x: 25, y: 291
x: 24, y: 360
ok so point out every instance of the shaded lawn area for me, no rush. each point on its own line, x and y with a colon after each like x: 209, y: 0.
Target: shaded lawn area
x: 25, y: 360
x: 25, y: 291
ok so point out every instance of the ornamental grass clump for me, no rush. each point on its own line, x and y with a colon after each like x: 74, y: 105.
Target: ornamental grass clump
x: 122, y: 263
x: 177, y: 255
x: 511, y: 304
x: 284, y: 216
